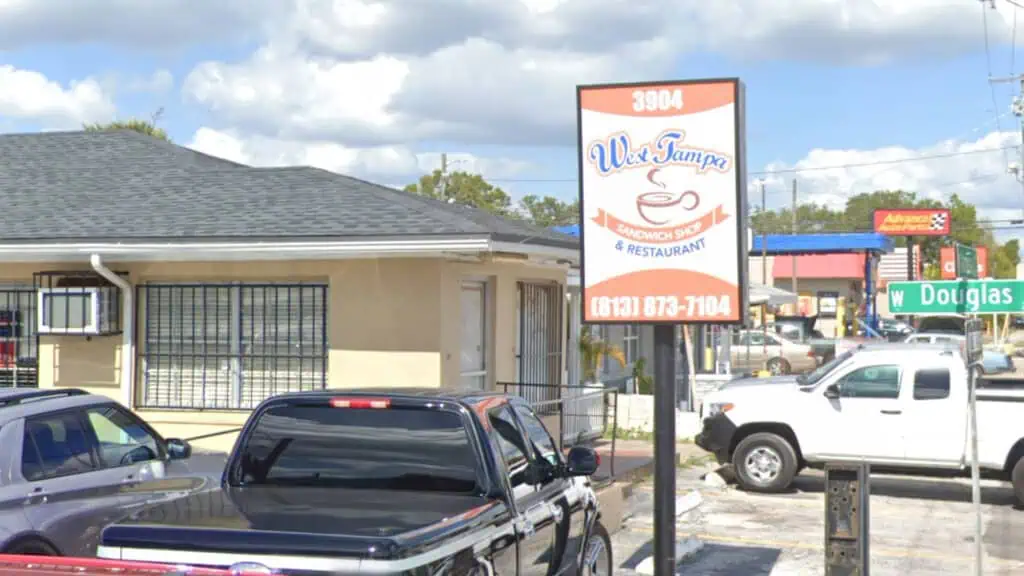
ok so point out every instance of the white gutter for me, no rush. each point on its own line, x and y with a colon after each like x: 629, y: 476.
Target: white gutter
x: 250, y: 251
x: 127, y: 329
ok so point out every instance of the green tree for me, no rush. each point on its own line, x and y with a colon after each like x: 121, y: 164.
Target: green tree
x: 549, y: 211
x: 593, y: 351
x: 466, y: 189
x: 146, y: 127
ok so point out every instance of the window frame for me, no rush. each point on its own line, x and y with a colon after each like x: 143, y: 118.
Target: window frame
x: 949, y: 384
x: 76, y: 414
x: 161, y: 443
x: 631, y: 343
x: 899, y: 382
x: 247, y: 342
x: 496, y: 446
x: 520, y: 407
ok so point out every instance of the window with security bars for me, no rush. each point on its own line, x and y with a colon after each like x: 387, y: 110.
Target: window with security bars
x: 230, y: 346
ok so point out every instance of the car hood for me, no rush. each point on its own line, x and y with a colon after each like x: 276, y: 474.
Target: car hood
x: 789, y: 381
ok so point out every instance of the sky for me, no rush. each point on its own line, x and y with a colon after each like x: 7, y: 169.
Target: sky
x: 844, y: 96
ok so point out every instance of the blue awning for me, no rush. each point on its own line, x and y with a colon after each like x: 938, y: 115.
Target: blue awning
x: 842, y: 243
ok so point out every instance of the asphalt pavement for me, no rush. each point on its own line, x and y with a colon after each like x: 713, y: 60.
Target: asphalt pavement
x: 919, y: 527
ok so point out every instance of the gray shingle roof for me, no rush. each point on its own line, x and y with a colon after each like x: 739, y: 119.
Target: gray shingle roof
x: 125, y: 186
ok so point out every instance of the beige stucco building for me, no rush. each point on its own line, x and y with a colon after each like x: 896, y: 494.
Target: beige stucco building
x: 191, y: 288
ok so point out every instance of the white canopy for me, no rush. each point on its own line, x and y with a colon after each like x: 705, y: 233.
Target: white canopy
x: 770, y: 295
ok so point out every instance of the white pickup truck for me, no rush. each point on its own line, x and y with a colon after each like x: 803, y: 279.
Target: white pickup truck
x: 890, y: 404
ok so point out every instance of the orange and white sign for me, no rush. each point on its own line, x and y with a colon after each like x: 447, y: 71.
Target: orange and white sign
x: 662, y: 196
x: 948, y: 261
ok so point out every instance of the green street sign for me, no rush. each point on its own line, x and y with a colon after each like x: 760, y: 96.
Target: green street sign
x: 966, y: 261
x: 956, y: 297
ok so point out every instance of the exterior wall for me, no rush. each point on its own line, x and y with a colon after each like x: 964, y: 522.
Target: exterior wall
x: 391, y: 322
x: 809, y: 288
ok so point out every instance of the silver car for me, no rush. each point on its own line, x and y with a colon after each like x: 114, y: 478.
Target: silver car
x: 72, y: 462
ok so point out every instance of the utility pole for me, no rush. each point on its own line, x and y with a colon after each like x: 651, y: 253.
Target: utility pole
x: 794, y: 255
x: 1017, y: 107
x: 444, y: 177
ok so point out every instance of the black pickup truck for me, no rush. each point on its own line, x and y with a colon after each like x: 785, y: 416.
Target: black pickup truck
x: 413, y: 482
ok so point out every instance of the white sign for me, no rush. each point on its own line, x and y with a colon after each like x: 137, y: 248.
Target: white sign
x: 663, y: 202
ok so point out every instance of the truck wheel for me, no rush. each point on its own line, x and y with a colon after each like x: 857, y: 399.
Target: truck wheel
x: 1017, y: 480
x: 764, y: 462
x: 778, y: 366
x: 597, y: 556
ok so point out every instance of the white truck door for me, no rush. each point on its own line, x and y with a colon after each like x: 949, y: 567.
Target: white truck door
x: 935, y: 411
x: 867, y: 418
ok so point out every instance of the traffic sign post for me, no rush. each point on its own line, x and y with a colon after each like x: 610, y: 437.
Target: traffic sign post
x: 974, y: 328
x: 966, y: 261
x: 957, y: 297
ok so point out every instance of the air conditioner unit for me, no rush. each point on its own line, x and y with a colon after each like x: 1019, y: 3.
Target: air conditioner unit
x: 76, y: 310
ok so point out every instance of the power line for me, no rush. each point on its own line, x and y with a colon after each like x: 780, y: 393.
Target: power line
x: 922, y: 158
x: 988, y: 66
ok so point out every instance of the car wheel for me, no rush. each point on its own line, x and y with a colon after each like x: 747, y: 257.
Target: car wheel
x: 31, y: 547
x: 597, y: 555
x: 765, y: 462
x: 778, y: 366
x: 1017, y: 481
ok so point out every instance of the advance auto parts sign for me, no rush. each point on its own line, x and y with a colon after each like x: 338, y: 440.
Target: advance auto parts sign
x: 913, y: 222
x: 662, y: 200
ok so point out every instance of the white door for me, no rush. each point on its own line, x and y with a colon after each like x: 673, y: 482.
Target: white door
x: 934, y: 402
x: 867, y: 420
x: 473, y: 358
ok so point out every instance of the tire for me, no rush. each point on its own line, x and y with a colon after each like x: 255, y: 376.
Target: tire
x: 765, y: 462
x: 597, y: 553
x: 30, y: 547
x: 778, y: 366
x: 1017, y: 480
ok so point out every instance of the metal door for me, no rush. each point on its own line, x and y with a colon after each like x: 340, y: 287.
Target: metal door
x: 473, y: 357
x: 19, y: 338
x: 539, y: 354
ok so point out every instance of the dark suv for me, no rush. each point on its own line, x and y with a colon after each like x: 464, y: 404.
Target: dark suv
x: 72, y: 462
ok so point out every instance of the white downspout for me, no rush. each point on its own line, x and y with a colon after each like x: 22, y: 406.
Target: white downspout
x: 127, y: 328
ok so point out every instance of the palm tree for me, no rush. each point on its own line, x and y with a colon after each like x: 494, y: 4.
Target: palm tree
x: 644, y: 381
x: 593, y: 351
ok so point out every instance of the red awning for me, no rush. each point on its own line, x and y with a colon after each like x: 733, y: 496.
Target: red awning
x: 845, y: 266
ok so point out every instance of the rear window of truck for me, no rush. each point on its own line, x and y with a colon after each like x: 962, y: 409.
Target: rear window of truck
x: 417, y: 449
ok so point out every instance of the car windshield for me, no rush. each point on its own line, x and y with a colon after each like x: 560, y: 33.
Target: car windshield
x: 392, y: 448
x: 812, y: 378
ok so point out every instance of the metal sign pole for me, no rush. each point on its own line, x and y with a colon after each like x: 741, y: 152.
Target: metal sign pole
x: 973, y: 330
x: 972, y: 408
x: 665, y: 449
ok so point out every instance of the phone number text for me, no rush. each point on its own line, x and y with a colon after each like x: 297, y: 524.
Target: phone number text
x: 660, y: 307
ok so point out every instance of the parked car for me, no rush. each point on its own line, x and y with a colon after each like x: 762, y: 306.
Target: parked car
x: 888, y: 404
x: 72, y: 462
x: 801, y: 329
x: 992, y: 361
x: 385, y: 482
x: 753, y: 350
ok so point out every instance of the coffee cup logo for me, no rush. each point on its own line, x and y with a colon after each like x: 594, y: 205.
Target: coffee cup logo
x: 658, y: 208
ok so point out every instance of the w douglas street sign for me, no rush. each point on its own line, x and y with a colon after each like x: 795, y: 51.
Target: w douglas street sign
x: 956, y: 297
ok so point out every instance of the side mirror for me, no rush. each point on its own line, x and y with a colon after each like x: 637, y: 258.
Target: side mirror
x: 832, y: 391
x: 178, y: 449
x: 582, y: 461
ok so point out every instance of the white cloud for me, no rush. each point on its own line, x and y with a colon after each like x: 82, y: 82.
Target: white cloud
x: 159, y: 82
x: 389, y: 72
x: 975, y: 170
x: 150, y: 24
x: 390, y: 165
x: 30, y: 96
